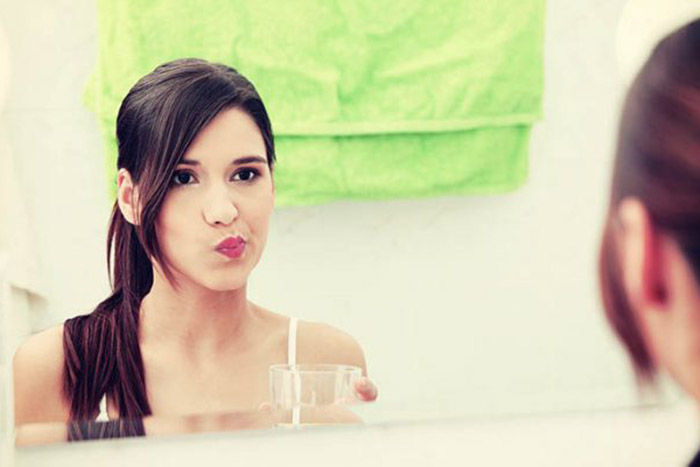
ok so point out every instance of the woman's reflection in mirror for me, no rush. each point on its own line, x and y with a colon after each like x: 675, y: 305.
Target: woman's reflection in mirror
x: 178, y: 334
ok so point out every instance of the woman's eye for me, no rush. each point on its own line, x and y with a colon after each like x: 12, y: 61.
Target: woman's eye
x: 182, y: 178
x: 245, y: 175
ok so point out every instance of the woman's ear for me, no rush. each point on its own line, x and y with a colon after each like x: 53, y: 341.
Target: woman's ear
x: 642, y: 257
x: 127, y: 197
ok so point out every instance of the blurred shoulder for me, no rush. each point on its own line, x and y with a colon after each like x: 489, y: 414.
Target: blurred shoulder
x: 37, y: 368
x: 323, y: 343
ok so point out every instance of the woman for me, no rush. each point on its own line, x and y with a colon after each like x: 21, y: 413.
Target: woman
x: 178, y: 334
x: 650, y: 252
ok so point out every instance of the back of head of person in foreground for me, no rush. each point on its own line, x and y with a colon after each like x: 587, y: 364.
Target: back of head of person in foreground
x: 650, y: 250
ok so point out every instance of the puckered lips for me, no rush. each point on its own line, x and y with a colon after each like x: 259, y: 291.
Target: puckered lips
x: 232, y: 247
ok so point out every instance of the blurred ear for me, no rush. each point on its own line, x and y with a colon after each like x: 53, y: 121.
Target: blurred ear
x: 642, y: 257
x: 127, y: 197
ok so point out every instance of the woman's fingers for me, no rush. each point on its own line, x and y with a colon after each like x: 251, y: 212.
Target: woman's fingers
x: 365, y: 389
x: 265, y: 407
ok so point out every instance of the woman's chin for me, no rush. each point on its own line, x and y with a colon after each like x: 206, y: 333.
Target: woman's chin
x: 226, y: 284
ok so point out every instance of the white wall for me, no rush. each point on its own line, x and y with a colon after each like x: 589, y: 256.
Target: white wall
x: 465, y: 306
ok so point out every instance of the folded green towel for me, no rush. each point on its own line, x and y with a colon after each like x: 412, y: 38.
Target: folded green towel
x: 369, y: 99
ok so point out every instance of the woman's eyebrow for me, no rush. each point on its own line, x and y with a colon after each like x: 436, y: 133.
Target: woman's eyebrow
x: 249, y: 160
x: 238, y: 161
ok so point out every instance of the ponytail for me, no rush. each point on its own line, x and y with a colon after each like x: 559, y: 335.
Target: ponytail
x: 102, y: 353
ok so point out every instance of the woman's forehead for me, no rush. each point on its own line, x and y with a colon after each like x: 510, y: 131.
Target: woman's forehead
x: 231, y: 136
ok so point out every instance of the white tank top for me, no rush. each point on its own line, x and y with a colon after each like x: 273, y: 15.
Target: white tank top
x: 103, y: 416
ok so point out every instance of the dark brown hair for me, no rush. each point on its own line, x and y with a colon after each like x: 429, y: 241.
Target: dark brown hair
x: 157, y: 121
x: 657, y: 162
x: 85, y: 430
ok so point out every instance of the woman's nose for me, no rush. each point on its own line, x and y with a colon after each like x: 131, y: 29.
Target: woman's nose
x: 219, y: 207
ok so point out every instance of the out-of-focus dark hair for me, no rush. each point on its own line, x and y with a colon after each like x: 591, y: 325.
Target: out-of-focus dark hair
x: 658, y: 162
x: 85, y: 430
x: 158, y: 120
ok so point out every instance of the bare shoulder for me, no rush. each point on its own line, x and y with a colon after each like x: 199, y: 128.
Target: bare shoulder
x: 38, y: 378
x: 323, y: 343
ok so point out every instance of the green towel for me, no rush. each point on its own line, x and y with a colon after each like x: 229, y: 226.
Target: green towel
x: 369, y: 99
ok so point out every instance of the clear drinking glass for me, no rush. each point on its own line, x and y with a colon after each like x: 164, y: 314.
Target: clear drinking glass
x: 313, y: 394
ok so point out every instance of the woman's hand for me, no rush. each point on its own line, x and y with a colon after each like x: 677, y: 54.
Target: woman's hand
x: 365, y: 390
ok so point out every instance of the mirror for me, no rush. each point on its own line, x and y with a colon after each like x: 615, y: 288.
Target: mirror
x: 465, y: 306
x: 35, y: 434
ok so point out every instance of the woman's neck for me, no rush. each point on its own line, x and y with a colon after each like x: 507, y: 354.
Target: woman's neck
x: 197, y: 321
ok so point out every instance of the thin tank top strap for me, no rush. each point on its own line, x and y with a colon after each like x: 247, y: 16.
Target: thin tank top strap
x: 292, y: 342
x: 103, y: 416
